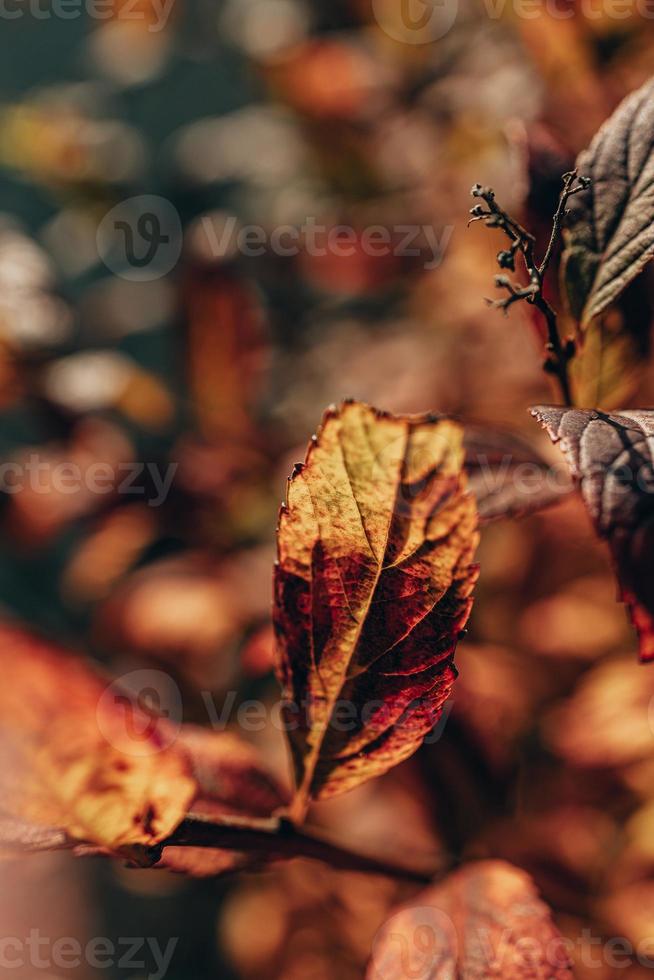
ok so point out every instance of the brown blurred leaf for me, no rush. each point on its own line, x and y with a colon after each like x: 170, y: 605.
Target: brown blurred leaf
x: 228, y: 771
x: 560, y: 50
x: 637, y: 853
x: 608, y: 720
x: 610, y: 455
x: 496, y: 677
x: 189, y: 611
x: 580, y: 621
x: 226, y: 351
x: 612, y: 352
x: 114, y: 544
x: 485, y: 920
x: 325, y: 79
x: 58, y: 483
x: 609, y: 363
x: 231, y: 780
x: 372, y: 587
x: 565, y: 847
x: 258, y: 654
x: 304, y: 920
x: 79, y: 757
x: 508, y: 476
x: 629, y: 912
x: 611, y: 235
x: 181, y: 611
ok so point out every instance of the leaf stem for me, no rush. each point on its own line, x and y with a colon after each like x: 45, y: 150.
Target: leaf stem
x: 272, y: 838
x: 278, y: 838
x: 561, y: 355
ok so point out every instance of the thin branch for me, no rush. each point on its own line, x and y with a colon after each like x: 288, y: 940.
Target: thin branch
x: 572, y: 184
x: 559, y: 353
x: 271, y: 838
x: 279, y: 838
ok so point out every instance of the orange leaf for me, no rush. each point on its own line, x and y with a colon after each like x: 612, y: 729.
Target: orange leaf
x: 372, y: 588
x: 77, y: 756
x: 485, y: 920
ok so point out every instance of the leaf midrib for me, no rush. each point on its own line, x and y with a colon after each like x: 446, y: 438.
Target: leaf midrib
x: 310, y: 761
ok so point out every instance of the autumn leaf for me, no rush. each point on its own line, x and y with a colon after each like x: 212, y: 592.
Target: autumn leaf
x: 76, y: 756
x: 107, y: 777
x: 610, y: 455
x: 372, y: 588
x: 611, y: 225
x: 484, y: 920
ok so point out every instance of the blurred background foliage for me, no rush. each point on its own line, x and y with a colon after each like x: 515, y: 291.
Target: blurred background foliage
x: 272, y: 112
